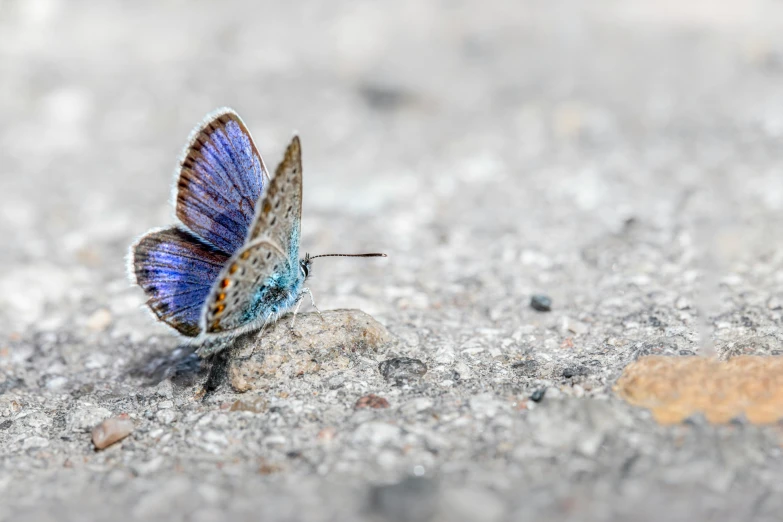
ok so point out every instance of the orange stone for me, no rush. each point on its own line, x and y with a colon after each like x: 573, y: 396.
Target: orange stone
x: 674, y: 388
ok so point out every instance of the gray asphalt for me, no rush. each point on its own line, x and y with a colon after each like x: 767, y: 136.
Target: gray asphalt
x: 622, y: 158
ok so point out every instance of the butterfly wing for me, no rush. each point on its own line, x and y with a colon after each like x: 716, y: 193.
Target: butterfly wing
x: 221, y: 178
x: 262, y: 279
x: 176, y: 270
x: 279, y: 214
x: 258, y: 282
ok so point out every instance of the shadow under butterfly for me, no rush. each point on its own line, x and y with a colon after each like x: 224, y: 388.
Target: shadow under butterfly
x: 231, y: 265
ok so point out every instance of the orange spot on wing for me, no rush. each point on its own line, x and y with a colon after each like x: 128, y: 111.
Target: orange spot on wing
x: 245, y: 254
x: 233, y: 268
x: 224, y: 283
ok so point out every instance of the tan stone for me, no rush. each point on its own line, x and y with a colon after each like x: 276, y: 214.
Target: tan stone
x: 315, y: 344
x: 674, y: 388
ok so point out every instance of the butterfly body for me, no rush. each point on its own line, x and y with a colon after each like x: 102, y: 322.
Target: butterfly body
x: 269, y: 296
x: 277, y: 295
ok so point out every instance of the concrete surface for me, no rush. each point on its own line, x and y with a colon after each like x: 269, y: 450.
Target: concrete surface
x: 623, y: 158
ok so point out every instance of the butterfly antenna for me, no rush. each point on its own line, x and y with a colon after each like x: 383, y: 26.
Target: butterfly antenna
x: 373, y: 254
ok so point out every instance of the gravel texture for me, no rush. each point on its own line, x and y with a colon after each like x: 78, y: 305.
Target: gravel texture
x: 621, y: 158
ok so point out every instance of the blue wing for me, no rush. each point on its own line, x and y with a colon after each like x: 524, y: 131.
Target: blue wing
x: 263, y: 279
x: 176, y: 270
x: 221, y: 178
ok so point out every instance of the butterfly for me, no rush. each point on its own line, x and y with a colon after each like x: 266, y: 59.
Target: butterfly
x: 231, y: 264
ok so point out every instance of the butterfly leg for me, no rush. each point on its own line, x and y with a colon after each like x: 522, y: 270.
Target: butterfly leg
x: 296, y: 311
x: 299, y: 303
x: 312, y: 302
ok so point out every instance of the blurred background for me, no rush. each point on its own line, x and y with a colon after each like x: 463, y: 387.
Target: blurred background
x: 621, y: 156
x: 455, y: 135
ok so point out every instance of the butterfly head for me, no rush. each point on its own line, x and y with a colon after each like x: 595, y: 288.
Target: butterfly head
x: 306, y: 263
x: 304, y: 266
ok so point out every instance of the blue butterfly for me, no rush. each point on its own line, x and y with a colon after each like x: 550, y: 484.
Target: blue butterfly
x: 232, y: 263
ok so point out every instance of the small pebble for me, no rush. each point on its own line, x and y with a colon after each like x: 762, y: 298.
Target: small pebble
x: 99, y: 320
x: 573, y: 371
x: 577, y: 327
x: 255, y: 405
x: 402, y: 369
x: 527, y: 368
x: 55, y: 382
x: 268, y: 468
x: 538, y: 395
x: 372, y: 401
x: 540, y: 302
x: 166, y: 416
x: 327, y: 434
x: 111, y: 430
